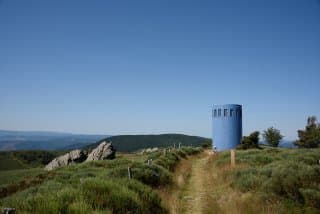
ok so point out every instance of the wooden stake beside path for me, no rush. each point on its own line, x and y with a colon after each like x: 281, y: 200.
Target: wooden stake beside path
x: 233, y: 157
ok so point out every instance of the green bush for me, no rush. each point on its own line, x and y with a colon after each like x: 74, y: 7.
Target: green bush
x: 152, y: 175
x: 151, y: 201
x: 311, y: 197
x: 79, y: 207
x: 247, y: 179
x: 168, y: 161
x: 287, y: 178
x: 101, y: 194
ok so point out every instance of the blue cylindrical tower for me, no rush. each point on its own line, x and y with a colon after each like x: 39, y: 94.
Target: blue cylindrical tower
x: 226, y: 126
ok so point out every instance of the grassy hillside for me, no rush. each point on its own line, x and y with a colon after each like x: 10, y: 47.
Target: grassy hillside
x: 129, y: 143
x: 270, y: 180
x: 96, y: 187
x: 282, y: 180
x: 26, y: 159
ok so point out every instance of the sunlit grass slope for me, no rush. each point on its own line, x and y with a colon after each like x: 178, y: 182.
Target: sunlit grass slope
x: 288, y: 179
x: 100, y: 186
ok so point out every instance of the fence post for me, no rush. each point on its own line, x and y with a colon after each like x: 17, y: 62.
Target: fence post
x: 233, y: 157
x: 129, y: 172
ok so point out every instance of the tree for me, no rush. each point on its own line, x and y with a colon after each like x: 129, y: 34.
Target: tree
x: 272, y: 136
x: 250, y: 142
x: 207, y: 144
x: 310, y: 137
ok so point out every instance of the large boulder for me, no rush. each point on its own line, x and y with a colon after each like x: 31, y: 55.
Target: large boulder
x: 75, y: 156
x: 103, y: 151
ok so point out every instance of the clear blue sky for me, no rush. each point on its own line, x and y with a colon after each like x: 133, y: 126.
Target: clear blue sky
x: 131, y: 67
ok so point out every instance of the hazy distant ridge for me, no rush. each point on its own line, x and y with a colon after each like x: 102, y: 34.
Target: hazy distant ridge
x: 43, y: 140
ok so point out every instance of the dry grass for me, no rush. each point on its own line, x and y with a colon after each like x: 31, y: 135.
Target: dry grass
x: 171, y: 195
x: 202, y: 187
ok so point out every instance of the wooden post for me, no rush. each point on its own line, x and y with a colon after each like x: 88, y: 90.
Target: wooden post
x: 129, y: 172
x: 179, y: 145
x: 233, y: 157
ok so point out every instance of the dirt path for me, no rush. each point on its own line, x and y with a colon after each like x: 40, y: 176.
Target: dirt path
x: 195, y: 189
x: 202, y: 187
x: 199, y: 191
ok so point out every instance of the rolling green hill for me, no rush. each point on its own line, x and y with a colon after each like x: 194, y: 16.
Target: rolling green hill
x: 130, y: 143
x: 26, y: 159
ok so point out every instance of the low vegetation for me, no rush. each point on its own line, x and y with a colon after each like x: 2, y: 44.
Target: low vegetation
x: 289, y: 178
x: 99, y: 186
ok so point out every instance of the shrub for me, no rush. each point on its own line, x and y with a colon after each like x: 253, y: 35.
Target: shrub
x: 287, y: 178
x: 152, y: 202
x: 109, y: 194
x: 288, y: 175
x: 79, y: 207
x: 311, y: 197
x: 152, y: 175
x: 121, y: 196
x: 247, y: 180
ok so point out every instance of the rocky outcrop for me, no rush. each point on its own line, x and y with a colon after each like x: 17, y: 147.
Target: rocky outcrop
x: 75, y: 156
x: 150, y: 150
x: 103, y: 151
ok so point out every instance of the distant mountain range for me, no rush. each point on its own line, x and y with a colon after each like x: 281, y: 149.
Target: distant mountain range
x: 39, y: 140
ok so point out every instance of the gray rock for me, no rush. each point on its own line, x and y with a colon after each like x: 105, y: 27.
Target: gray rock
x: 150, y: 150
x: 103, y: 151
x: 75, y: 156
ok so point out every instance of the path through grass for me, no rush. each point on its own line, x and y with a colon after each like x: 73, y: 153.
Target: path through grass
x: 207, y: 190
